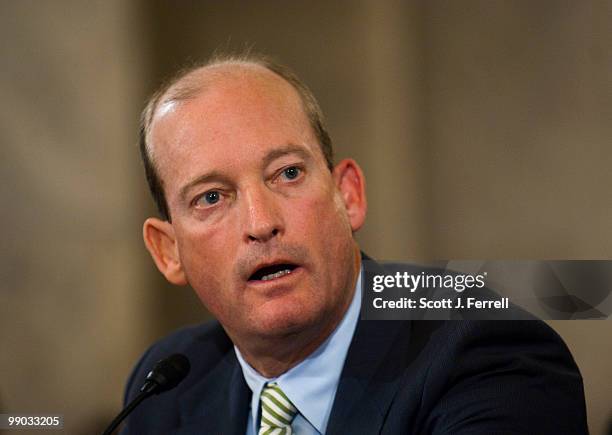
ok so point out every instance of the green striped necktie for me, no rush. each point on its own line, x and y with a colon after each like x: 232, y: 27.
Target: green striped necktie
x: 277, y: 411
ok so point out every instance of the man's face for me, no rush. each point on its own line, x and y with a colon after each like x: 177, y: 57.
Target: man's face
x: 260, y: 227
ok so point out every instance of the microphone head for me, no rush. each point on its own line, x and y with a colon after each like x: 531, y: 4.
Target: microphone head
x: 167, y: 374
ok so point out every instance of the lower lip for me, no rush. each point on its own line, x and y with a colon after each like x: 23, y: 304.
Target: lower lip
x: 281, y: 280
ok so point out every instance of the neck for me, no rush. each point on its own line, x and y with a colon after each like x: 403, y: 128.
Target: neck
x: 273, y: 356
x: 280, y: 355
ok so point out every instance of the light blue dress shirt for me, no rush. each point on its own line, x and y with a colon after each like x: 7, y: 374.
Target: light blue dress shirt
x: 311, y: 385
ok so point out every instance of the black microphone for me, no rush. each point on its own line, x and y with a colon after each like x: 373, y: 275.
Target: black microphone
x: 166, y: 374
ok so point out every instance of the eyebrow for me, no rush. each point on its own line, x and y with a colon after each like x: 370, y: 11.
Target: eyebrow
x: 268, y: 158
x: 283, y: 151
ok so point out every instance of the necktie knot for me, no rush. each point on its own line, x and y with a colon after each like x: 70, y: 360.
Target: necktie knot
x: 277, y: 411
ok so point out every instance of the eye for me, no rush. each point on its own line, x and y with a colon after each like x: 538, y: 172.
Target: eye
x: 209, y: 198
x: 292, y: 172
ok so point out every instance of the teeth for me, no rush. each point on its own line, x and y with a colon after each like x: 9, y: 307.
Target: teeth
x: 276, y: 275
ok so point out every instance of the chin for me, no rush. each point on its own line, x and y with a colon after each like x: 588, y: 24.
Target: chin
x: 288, y: 319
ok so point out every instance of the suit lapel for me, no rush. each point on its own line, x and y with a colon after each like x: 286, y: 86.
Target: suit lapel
x: 370, y: 378
x: 372, y: 371
x: 218, y: 404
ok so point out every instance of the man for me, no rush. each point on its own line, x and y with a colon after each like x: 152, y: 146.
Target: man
x: 260, y: 223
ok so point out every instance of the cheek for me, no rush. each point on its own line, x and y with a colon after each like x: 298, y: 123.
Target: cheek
x: 329, y: 215
x: 324, y: 223
x: 207, y: 266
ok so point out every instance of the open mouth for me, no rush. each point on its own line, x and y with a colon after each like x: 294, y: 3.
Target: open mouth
x: 273, y: 271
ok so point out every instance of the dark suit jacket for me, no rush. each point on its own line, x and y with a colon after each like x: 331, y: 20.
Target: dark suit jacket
x: 400, y: 377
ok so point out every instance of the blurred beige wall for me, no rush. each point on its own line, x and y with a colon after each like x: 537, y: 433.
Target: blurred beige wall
x: 74, y: 306
x: 482, y: 127
x: 517, y: 123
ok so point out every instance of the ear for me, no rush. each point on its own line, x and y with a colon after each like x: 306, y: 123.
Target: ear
x: 161, y: 242
x: 350, y: 182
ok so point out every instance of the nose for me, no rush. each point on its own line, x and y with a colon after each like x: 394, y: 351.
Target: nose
x: 263, y: 217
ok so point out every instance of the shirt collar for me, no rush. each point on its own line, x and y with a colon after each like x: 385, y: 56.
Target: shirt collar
x: 311, y: 385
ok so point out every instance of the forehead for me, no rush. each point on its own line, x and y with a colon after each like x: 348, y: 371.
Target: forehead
x: 237, y: 113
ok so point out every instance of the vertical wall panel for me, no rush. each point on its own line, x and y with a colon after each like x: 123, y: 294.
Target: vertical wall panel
x: 72, y: 307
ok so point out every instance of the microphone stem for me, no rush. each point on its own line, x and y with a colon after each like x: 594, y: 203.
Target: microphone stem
x: 133, y: 404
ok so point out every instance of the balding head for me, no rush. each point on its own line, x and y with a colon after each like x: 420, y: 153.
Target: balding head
x: 191, y: 82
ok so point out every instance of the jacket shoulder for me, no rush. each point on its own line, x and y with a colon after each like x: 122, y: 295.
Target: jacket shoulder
x: 518, y: 375
x: 205, y: 344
